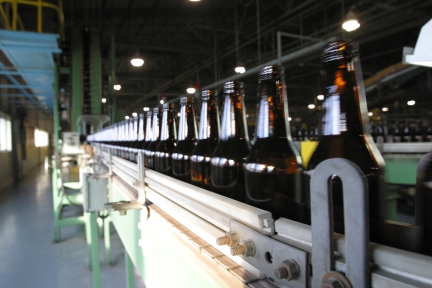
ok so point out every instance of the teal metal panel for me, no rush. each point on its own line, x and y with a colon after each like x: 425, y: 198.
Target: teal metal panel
x: 401, y: 168
x: 31, y: 56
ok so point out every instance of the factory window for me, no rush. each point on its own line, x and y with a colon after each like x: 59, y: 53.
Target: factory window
x: 40, y: 138
x: 5, y: 133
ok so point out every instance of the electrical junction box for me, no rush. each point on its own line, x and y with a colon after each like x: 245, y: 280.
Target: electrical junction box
x: 95, y: 191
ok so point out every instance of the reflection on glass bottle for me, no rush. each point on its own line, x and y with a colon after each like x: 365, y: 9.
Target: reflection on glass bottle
x: 208, y: 137
x: 149, y: 155
x: 186, y: 142
x: 148, y: 131
x: 273, y: 168
x: 167, y: 141
x: 346, y: 132
x: 226, y: 164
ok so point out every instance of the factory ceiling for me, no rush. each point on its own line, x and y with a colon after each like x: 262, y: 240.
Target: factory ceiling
x: 187, y: 43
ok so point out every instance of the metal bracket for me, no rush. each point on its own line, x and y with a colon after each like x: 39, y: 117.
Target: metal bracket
x: 356, y: 223
x: 270, y: 255
x: 123, y: 206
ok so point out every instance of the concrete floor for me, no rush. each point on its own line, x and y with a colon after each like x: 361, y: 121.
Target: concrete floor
x: 28, y: 255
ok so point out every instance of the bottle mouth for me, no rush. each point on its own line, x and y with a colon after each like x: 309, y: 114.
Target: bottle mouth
x: 270, y: 71
x: 167, y: 106
x: 340, y: 50
x: 206, y: 94
x: 184, y: 100
x: 230, y: 86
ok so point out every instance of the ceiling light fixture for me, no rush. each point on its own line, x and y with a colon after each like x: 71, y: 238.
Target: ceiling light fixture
x: 117, y: 87
x: 240, y: 69
x: 137, y: 60
x: 385, y: 109
x: 103, y: 100
x: 411, y: 102
x: 161, y: 101
x: 134, y: 114
x: 146, y: 109
x: 127, y: 117
x: 311, y: 106
x: 351, y: 23
x: 320, y: 97
x: 190, y: 90
x: 370, y: 114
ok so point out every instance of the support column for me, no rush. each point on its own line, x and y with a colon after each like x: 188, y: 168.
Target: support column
x: 77, y: 81
x: 111, y: 82
x: 56, y: 116
x: 95, y: 73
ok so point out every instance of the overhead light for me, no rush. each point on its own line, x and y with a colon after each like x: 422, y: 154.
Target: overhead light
x: 370, y: 114
x: 320, y: 97
x: 146, y: 108
x: 137, y: 62
x: 178, y: 114
x: 126, y: 117
x: 289, y: 118
x: 161, y: 101
x: 351, y: 23
x: 422, y: 53
x: 194, y: 0
x: 385, y: 109
x: 103, y: 100
x: 134, y: 114
x: 190, y: 90
x: 240, y: 68
x: 117, y: 87
x: 311, y: 106
x: 411, y: 102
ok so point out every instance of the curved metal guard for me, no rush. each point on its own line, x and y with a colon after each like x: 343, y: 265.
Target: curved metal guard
x: 356, y: 217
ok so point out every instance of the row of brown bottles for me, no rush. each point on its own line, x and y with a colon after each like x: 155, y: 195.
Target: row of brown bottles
x: 268, y: 174
x: 401, y: 131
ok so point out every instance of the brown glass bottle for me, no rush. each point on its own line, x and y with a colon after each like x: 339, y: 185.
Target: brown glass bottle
x: 227, y: 160
x: 273, y: 169
x: 139, y: 142
x: 345, y: 130
x: 186, y: 141
x: 148, y: 131
x: 168, y: 138
x: 208, y: 138
x: 149, y: 154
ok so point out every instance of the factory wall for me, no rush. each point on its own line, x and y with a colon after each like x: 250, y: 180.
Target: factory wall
x: 25, y: 156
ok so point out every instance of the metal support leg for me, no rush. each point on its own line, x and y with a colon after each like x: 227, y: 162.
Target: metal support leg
x: 107, y: 239
x: 130, y: 277
x: 93, y: 242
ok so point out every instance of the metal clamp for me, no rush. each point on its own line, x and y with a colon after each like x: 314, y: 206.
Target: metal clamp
x: 123, y: 206
x: 356, y: 223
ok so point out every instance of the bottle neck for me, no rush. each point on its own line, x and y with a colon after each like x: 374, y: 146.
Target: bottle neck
x: 209, y: 121
x: 187, y: 124
x: 233, y: 118
x: 344, y: 108
x: 168, y: 129
x: 148, y: 132
x: 272, y: 113
x: 141, y: 129
x: 155, y: 128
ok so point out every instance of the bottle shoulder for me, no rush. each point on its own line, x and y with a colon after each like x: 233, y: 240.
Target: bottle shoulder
x: 359, y: 150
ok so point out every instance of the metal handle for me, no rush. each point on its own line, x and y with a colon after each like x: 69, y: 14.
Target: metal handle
x: 356, y: 217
